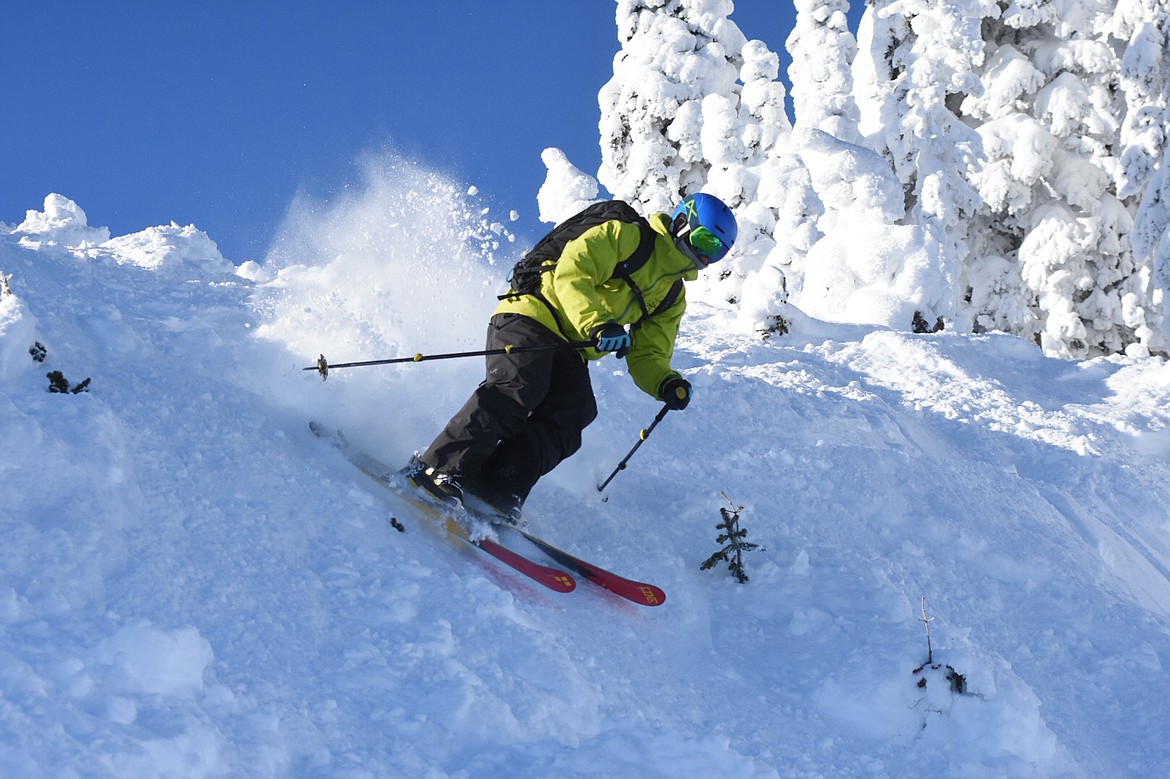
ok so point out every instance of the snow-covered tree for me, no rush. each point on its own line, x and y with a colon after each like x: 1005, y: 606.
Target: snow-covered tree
x: 1051, y: 254
x: 1144, y: 26
x: 566, y: 189
x: 923, y: 58
x: 761, y: 106
x: 1143, y: 172
x: 693, y: 106
x: 769, y: 242
x: 670, y: 111
x: 1152, y: 231
x: 822, y: 49
x: 866, y: 264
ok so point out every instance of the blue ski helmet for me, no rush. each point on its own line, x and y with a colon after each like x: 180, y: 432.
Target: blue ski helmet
x: 704, y: 228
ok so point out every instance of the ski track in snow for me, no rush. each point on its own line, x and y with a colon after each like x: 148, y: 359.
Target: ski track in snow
x: 192, y: 585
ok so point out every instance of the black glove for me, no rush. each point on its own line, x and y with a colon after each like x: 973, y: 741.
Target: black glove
x: 611, y: 337
x: 675, y: 393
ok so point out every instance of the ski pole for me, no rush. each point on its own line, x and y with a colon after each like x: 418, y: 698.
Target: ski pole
x: 323, y: 366
x: 642, y: 436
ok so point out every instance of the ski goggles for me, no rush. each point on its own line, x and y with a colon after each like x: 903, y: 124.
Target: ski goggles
x: 706, y: 244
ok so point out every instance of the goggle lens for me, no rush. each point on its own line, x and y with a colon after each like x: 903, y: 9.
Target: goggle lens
x: 707, y: 244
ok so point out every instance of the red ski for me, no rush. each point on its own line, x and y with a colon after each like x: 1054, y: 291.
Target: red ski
x: 552, y: 578
x: 639, y: 592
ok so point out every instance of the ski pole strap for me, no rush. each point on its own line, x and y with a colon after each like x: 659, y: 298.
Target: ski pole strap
x: 642, y: 436
x: 323, y: 366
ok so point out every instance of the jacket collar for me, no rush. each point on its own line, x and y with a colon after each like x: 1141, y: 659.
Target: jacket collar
x: 674, y: 261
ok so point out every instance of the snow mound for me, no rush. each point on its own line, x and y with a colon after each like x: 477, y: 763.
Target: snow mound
x: 566, y: 189
x: 169, y: 248
x: 158, y: 662
x: 17, y: 331
x: 877, y: 274
x: 63, y: 226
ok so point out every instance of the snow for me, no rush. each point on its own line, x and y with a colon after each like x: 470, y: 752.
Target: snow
x: 883, y: 274
x: 566, y: 191
x: 192, y: 585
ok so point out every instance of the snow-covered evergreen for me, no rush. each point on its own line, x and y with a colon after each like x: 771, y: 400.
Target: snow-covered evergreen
x: 1144, y: 168
x: 668, y: 115
x: 823, y: 49
x: 1027, y: 138
x: 1045, y: 249
x: 928, y: 55
x: 1057, y: 220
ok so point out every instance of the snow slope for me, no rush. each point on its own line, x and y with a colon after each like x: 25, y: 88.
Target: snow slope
x: 192, y: 585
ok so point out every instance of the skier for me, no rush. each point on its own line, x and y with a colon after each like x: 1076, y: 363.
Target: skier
x: 528, y: 414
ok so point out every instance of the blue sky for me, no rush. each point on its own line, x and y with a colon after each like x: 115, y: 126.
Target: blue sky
x: 217, y: 113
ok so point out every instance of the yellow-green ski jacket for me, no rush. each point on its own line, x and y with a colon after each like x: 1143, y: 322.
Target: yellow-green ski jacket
x: 582, y: 295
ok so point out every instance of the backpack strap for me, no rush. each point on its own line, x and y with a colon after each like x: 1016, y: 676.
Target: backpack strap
x: 629, y: 266
x: 671, y: 298
x: 626, y: 268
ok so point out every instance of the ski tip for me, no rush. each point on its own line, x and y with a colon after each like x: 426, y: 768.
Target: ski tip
x: 319, y: 430
x: 651, y: 595
x: 562, y: 583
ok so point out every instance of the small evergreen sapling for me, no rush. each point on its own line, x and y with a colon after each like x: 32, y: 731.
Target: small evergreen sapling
x: 925, y: 620
x: 774, y: 324
x: 57, y: 381
x: 920, y: 325
x: 957, y: 681
x: 59, y: 384
x: 732, y: 535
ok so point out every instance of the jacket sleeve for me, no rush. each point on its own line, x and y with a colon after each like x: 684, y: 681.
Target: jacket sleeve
x: 587, y: 262
x: 653, y: 346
